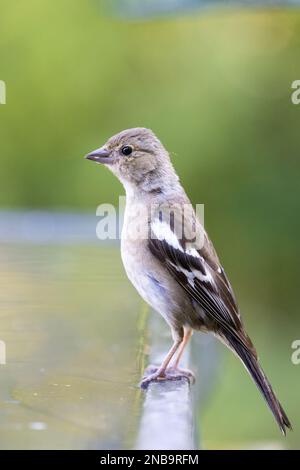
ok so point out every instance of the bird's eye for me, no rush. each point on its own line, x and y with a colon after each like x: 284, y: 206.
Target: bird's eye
x: 126, y: 150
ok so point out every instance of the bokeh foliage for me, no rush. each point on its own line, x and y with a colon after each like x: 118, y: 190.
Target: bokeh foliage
x: 215, y: 88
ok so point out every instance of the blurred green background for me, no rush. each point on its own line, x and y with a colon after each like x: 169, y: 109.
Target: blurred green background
x: 216, y: 89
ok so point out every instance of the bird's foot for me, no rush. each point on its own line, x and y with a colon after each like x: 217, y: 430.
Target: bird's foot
x: 178, y: 372
x: 154, y: 374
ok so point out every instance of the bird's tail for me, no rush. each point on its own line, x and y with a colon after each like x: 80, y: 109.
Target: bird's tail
x: 252, y: 365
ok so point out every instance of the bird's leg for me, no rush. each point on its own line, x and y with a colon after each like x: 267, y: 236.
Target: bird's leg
x: 160, y: 373
x: 164, y: 372
x: 153, y: 373
x: 187, y: 335
x: 175, y: 368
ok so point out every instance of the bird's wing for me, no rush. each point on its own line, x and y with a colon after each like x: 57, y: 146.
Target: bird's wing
x: 199, y: 272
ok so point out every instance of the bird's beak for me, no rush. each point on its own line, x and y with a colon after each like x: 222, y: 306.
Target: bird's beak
x: 100, y: 155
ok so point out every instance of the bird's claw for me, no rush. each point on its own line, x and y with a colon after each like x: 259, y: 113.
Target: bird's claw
x: 178, y: 372
x: 153, y: 374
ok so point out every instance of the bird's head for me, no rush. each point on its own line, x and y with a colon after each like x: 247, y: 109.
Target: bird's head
x: 136, y: 157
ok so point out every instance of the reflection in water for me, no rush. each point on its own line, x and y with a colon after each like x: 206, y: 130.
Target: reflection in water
x: 69, y: 319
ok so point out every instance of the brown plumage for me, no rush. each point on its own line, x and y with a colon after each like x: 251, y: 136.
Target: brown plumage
x: 220, y: 306
x: 175, y: 267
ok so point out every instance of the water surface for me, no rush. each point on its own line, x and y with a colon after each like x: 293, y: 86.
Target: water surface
x: 72, y: 326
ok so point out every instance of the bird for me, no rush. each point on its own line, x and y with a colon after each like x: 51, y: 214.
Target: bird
x: 172, y: 263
